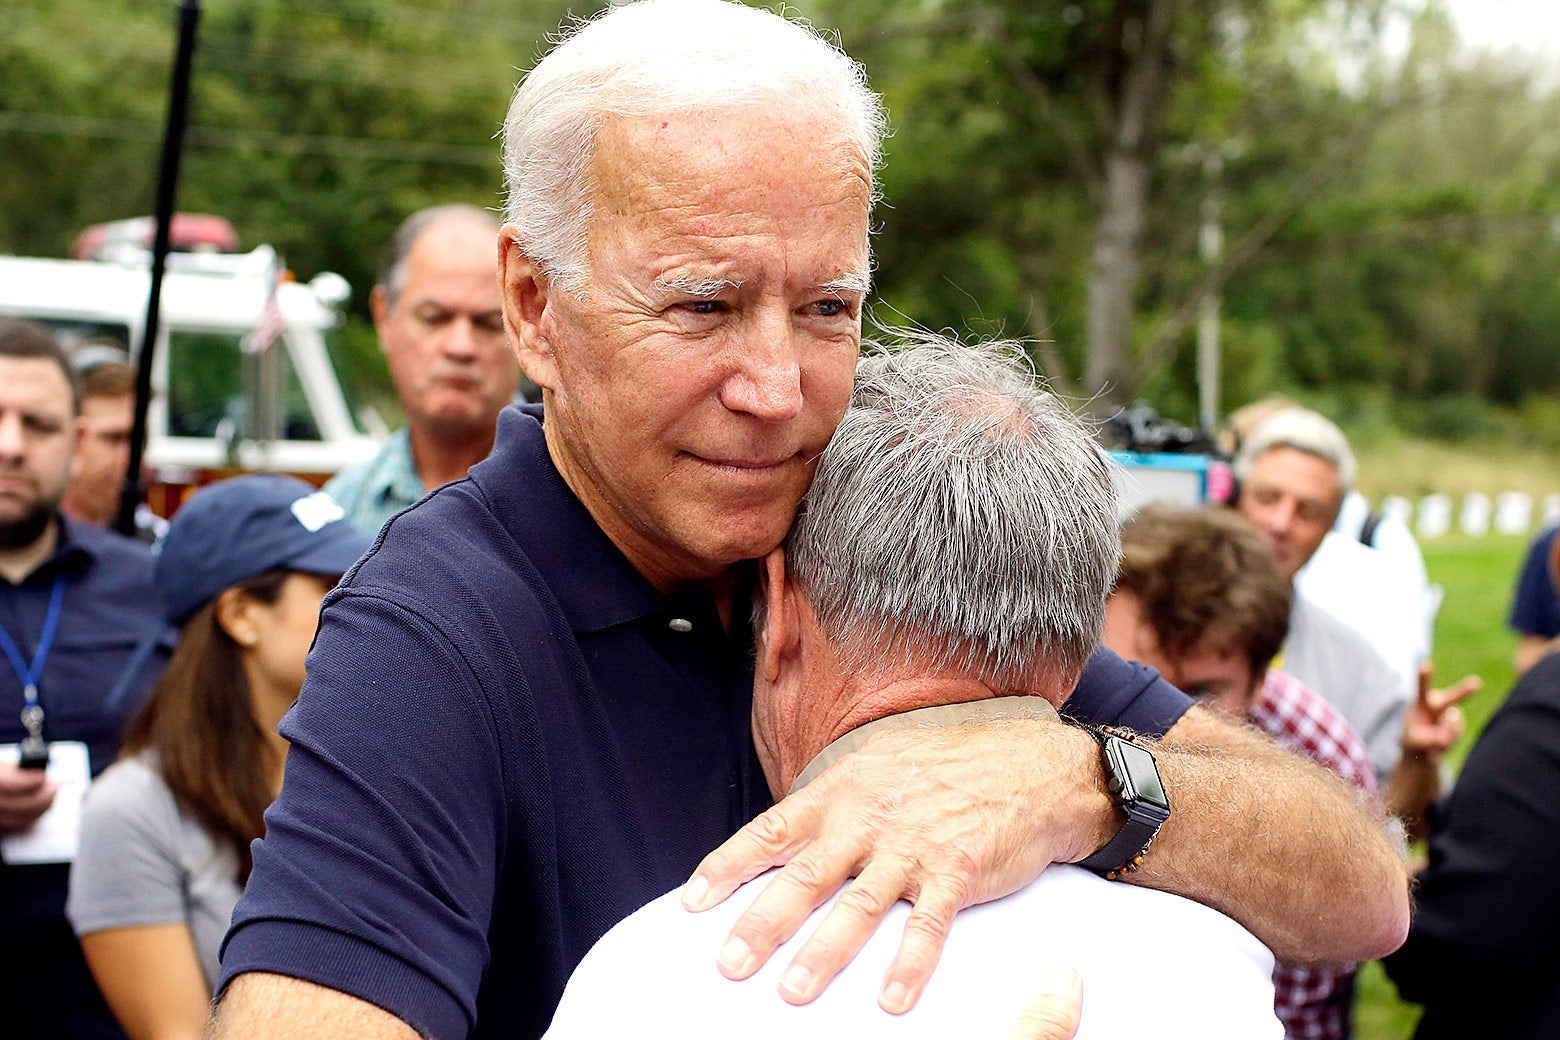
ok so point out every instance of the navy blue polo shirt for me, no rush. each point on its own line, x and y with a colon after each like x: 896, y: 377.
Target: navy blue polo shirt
x: 110, y: 645
x: 1535, y: 607
x: 508, y: 741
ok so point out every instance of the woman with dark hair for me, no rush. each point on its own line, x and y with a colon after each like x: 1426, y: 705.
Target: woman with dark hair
x: 166, y: 830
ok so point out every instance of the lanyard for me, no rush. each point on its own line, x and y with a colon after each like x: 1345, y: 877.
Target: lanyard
x: 32, y: 711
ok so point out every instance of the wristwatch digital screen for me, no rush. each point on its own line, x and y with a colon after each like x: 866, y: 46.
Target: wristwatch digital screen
x: 1133, y: 778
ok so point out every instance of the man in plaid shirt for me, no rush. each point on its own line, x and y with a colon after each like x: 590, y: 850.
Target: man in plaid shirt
x: 1200, y: 597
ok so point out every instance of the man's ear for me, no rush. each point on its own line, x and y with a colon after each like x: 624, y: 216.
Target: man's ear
x: 527, y: 299
x: 782, y: 623
x: 379, y: 309
x: 76, y: 445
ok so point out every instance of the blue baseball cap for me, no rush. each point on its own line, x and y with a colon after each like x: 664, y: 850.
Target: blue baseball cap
x: 238, y: 528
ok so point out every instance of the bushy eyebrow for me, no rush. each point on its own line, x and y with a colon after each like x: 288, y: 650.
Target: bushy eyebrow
x: 855, y: 283
x: 700, y: 288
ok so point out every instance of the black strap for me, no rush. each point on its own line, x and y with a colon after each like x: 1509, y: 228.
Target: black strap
x: 1368, y: 529
x: 1121, y: 850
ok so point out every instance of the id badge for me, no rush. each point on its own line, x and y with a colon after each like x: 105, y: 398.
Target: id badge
x: 55, y: 836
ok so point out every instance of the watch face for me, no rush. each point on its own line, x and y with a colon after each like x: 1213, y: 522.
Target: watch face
x: 1142, y: 775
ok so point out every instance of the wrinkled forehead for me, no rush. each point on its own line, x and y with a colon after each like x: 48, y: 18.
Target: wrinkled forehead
x: 1297, y: 471
x: 744, y: 155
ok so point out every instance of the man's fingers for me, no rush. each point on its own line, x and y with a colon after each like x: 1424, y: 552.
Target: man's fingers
x: 1461, y: 690
x: 797, y: 890
x: 769, y: 840
x: 926, y: 932
x: 21, y: 783
x: 849, y: 923
x: 1055, y: 1012
x: 19, y: 810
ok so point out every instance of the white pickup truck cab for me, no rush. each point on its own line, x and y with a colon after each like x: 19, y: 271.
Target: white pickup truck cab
x: 217, y: 407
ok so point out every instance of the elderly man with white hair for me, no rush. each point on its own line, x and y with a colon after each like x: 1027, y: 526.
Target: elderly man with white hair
x: 949, y: 564
x: 1294, y: 471
x: 528, y: 709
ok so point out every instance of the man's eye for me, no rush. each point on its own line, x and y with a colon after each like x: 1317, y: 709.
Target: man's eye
x: 706, y: 306
x: 831, y: 308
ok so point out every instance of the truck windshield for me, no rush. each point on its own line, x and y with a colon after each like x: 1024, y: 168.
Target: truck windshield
x: 73, y: 332
x: 215, y: 389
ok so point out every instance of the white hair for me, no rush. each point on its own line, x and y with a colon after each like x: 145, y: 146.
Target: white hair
x: 650, y: 58
x: 1302, y: 430
x: 961, y: 517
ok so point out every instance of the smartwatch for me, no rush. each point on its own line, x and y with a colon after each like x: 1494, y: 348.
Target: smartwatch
x: 1133, y: 779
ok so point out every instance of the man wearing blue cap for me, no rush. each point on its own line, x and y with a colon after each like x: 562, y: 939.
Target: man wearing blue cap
x: 82, y: 632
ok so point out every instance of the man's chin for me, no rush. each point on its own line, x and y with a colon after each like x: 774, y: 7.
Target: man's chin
x: 20, y: 531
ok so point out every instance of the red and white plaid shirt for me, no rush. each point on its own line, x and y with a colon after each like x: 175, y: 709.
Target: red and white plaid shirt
x: 1313, y: 1003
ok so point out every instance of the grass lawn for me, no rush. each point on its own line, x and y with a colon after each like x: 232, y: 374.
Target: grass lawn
x: 1470, y: 637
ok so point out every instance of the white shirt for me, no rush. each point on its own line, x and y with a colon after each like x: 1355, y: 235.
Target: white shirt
x: 1152, y: 964
x: 1382, y: 589
x: 1338, y: 661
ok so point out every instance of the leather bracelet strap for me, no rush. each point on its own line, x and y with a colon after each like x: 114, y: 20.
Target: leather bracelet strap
x: 1125, y: 852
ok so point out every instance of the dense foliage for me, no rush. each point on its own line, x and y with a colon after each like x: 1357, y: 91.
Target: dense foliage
x: 1388, y: 219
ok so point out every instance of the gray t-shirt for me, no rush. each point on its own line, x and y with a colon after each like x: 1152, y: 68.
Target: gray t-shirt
x: 143, y: 861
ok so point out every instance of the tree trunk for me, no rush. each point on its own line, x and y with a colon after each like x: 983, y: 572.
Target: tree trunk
x: 1113, y: 274
x: 1118, y: 236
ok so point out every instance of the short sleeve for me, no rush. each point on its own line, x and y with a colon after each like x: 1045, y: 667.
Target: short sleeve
x: 378, y: 870
x: 128, y: 871
x: 1115, y: 692
x: 1535, y: 607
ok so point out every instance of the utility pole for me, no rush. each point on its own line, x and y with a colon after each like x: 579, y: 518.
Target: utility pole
x: 1210, y: 246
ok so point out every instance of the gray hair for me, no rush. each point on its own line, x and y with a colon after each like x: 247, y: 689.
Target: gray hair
x: 651, y: 58
x: 392, y: 263
x: 1302, y: 430
x: 961, y: 517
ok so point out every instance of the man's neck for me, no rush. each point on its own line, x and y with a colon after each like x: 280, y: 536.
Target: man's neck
x: 936, y: 715
x: 17, y: 564
x: 444, y: 457
x: 83, y: 513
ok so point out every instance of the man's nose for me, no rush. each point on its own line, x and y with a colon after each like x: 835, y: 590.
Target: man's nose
x: 767, y: 379
x: 460, y: 339
x: 1281, y: 520
x: 13, y: 439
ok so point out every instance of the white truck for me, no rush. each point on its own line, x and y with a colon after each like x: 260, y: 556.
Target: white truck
x: 217, y: 407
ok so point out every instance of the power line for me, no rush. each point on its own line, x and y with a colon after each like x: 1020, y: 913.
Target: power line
x: 56, y: 124
x: 306, y: 61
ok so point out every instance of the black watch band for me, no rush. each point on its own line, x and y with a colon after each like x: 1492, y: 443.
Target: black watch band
x: 1133, y: 779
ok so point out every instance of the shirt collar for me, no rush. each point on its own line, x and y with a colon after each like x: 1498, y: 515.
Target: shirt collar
x: 72, y: 550
x: 592, y: 580
x: 395, y: 477
x: 962, y: 713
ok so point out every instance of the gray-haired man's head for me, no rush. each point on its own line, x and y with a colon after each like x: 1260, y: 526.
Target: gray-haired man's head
x: 960, y: 516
